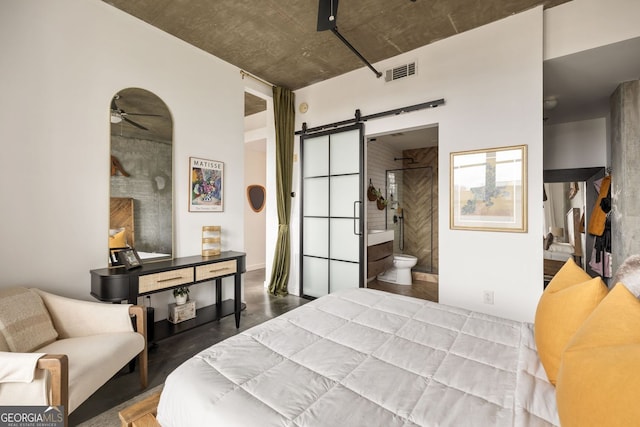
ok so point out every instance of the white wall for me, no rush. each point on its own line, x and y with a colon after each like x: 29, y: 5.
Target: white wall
x: 62, y: 63
x: 255, y: 163
x: 586, y: 24
x: 491, y: 80
x: 379, y: 160
x: 580, y: 144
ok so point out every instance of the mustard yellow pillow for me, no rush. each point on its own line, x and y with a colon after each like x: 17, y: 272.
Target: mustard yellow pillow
x: 567, y: 301
x: 599, y: 380
x: 570, y: 274
x: 118, y: 240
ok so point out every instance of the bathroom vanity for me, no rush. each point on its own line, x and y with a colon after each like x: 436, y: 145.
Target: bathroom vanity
x: 379, y: 252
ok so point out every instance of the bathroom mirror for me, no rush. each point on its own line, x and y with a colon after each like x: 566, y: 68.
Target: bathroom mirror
x: 141, y: 183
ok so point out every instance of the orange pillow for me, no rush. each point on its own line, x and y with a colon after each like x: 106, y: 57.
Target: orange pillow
x: 567, y: 301
x: 118, y: 240
x: 599, y: 380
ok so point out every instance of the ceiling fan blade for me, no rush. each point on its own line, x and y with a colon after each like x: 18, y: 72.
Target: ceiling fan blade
x: 134, y: 123
x: 143, y: 114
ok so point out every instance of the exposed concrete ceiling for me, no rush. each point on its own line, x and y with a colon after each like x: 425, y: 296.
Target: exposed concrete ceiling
x: 408, y: 139
x: 253, y: 104
x: 277, y: 40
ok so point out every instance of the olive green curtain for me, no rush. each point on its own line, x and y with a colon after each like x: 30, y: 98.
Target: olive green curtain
x: 284, y: 115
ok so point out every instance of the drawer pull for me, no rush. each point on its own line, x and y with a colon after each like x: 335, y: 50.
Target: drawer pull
x: 219, y: 269
x: 170, y: 279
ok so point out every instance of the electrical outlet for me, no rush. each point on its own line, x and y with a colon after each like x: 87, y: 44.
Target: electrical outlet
x: 487, y: 297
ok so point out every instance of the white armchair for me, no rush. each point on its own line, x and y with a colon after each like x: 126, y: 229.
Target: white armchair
x: 59, y: 351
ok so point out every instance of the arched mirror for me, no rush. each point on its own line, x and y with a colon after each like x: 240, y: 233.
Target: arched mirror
x: 141, y: 193
x: 256, y: 197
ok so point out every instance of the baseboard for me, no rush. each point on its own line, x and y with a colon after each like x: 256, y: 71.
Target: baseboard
x: 255, y: 267
x: 425, y: 277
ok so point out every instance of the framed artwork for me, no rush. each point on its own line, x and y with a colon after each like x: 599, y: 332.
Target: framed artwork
x: 489, y: 189
x: 129, y: 258
x: 206, y: 183
x: 113, y: 256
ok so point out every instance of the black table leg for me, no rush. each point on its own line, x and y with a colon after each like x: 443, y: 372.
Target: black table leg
x: 218, y: 298
x: 237, y: 298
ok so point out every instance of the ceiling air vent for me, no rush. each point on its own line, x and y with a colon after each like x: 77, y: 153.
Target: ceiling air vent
x: 400, y: 72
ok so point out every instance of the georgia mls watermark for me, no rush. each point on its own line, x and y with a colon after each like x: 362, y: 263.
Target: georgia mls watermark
x: 31, y: 416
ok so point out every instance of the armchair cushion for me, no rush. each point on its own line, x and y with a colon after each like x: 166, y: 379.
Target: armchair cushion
x: 77, y: 318
x: 25, y: 323
x: 93, y: 360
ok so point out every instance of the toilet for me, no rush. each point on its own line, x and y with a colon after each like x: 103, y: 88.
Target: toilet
x: 400, y: 273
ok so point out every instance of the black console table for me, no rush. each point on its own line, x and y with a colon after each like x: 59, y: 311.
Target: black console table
x: 119, y: 284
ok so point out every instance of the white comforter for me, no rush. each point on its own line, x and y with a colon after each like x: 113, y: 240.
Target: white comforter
x: 366, y: 358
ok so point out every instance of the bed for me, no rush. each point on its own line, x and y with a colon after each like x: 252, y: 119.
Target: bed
x: 122, y: 228
x: 362, y: 358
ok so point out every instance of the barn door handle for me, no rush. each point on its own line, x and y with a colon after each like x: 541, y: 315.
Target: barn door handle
x: 355, y: 218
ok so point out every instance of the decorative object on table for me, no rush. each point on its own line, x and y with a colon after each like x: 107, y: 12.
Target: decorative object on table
x: 113, y: 256
x: 256, y: 197
x: 181, y: 294
x: 206, y: 182
x: 489, y: 189
x: 181, y: 312
x: 211, y: 240
x: 129, y: 258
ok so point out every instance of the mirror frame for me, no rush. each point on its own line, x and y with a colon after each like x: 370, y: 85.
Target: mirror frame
x: 589, y: 176
x: 147, y: 110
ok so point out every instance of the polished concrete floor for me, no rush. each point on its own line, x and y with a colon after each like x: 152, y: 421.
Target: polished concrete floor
x: 172, y: 351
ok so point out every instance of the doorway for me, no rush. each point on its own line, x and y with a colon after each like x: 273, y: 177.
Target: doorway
x: 403, y: 166
x: 255, y: 174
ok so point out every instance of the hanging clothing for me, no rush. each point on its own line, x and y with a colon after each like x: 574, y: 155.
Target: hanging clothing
x: 598, y: 215
x: 601, y: 255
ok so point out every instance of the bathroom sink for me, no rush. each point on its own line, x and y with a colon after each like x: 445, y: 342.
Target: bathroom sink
x: 376, y: 237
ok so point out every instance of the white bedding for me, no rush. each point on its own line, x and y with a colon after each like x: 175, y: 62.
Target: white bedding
x: 366, y: 358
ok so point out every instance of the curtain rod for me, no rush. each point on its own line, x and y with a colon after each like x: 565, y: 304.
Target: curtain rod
x: 244, y: 73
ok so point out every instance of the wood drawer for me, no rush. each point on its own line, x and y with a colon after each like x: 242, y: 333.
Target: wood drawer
x: 211, y: 271
x: 166, y: 279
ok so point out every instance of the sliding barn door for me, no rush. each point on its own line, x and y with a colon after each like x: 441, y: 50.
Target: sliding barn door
x: 332, y: 231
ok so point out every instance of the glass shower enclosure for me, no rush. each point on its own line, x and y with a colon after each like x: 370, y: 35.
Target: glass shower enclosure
x: 411, y: 213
